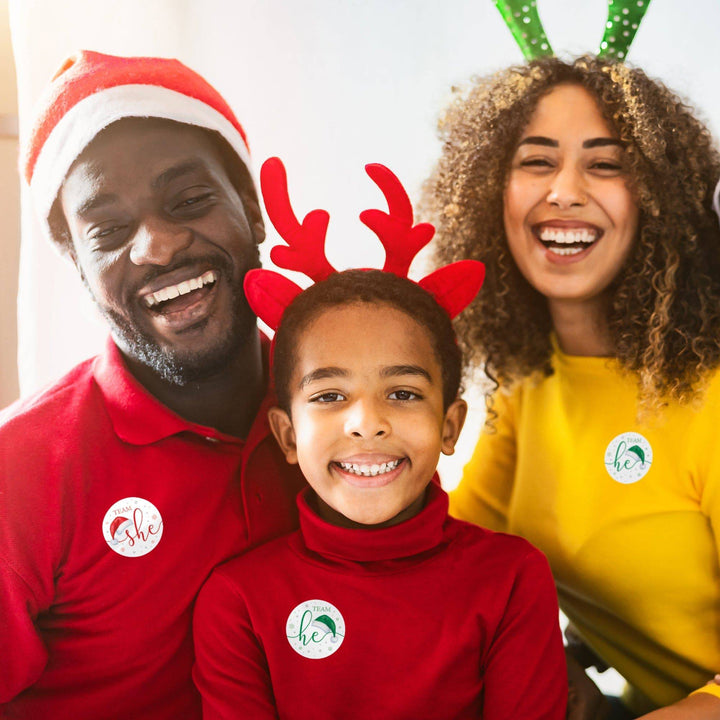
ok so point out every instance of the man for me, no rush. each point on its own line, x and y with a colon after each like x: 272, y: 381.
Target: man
x: 123, y: 485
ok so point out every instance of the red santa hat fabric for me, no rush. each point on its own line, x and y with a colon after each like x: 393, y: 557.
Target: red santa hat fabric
x: 92, y: 90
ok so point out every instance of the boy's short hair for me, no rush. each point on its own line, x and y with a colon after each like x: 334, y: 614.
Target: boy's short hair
x: 369, y: 286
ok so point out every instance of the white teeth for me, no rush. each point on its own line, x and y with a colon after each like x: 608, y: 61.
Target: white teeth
x: 568, y: 237
x: 172, y: 291
x: 369, y: 470
x: 566, y: 251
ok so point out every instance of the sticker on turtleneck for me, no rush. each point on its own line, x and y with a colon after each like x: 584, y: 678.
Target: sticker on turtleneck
x: 315, y: 629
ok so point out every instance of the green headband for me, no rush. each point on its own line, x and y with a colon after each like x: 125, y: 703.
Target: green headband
x: 623, y: 20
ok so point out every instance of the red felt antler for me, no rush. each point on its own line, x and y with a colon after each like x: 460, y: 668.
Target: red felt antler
x: 269, y: 293
x: 402, y: 241
x: 305, y: 251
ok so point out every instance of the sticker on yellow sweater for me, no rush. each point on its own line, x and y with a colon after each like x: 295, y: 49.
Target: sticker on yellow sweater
x: 628, y: 457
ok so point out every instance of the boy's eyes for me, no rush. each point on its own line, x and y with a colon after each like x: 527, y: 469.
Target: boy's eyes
x: 404, y: 395
x: 328, y: 397
x: 335, y: 396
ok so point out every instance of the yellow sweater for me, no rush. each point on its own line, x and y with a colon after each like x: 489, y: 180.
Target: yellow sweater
x: 626, y: 512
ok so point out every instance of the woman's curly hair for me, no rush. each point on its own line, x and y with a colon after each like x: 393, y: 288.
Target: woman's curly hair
x: 664, y: 307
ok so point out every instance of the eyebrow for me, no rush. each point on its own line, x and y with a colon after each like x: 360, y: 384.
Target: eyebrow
x: 94, y: 202
x: 397, y: 370
x: 587, y: 144
x: 322, y: 374
x: 325, y: 373
x: 185, y: 168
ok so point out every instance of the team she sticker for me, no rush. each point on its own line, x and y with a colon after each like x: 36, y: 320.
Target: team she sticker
x: 132, y: 527
x: 628, y: 458
x: 315, y: 629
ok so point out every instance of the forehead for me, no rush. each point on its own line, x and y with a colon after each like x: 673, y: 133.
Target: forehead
x: 365, y: 337
x: 136, y: 151
x: 568, y: 111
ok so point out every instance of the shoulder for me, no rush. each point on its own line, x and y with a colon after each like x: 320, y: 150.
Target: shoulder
x: 499, y: 548
x: 252, y: 567
x: 51, y: 406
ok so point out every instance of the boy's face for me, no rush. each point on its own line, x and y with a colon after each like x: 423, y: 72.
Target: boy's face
x: 368, y: 424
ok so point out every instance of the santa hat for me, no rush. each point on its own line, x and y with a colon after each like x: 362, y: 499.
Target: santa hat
x: 92, y: 90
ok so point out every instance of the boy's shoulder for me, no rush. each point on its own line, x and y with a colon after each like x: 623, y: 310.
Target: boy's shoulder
x: 471, y: 539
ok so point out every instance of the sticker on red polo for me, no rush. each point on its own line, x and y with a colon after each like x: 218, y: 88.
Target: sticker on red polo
x: 132, y: 527
x: 315, y: 629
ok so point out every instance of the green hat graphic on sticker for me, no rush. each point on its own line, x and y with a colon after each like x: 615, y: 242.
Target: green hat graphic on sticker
x: 327, y: 624
x: 638, y: 451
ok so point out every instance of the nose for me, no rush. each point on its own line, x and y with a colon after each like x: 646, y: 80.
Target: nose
x: 157, y: 241
x: 366, y: 419
x: 567, y: 188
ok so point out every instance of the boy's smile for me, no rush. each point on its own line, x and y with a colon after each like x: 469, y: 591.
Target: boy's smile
x: 368, y: 423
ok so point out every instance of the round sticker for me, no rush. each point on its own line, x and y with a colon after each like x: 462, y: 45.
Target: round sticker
x: 628, y: 457
x: 315, y: 629
x: 132, y: 527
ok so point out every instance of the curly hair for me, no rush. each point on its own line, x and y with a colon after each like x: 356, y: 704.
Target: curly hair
x: 663, y: 314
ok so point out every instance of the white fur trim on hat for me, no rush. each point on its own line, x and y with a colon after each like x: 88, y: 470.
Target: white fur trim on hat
x: 87, y: 118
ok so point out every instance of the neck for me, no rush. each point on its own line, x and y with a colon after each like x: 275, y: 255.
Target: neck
x: 581, y: 327
x: 227, y: 401
x: 333, y: 517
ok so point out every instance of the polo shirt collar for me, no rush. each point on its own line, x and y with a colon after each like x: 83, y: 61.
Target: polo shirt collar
x: 139, y: 418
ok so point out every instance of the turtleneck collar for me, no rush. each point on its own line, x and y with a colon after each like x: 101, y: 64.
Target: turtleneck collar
x: 417, y: 535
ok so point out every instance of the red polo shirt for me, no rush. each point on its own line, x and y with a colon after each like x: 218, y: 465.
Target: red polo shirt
x: 113, y: 511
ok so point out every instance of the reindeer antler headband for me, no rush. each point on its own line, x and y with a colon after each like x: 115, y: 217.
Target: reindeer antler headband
x: 270, y: 293
x: 623, y: 20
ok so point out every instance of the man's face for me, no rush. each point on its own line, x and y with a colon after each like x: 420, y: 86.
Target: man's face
x: 163, y: 240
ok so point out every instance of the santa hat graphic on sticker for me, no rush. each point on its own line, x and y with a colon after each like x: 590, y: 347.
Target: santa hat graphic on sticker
x: 117, y: 529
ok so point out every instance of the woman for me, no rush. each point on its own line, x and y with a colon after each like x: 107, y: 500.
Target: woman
x: 586, y: 189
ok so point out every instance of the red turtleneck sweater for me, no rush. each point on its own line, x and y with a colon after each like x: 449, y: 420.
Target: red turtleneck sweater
x: 433, y: 618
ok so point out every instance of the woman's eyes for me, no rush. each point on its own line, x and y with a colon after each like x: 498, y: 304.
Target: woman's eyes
x: 536, y: 162
x: 604, y: 167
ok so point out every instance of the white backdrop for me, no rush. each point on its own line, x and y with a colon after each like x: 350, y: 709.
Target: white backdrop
x: 328, y: 85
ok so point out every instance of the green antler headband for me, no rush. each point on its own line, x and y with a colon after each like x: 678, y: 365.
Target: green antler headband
x: 623, y: 20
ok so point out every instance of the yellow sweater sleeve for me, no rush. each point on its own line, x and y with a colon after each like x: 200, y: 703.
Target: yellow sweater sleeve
x: 484, y: 492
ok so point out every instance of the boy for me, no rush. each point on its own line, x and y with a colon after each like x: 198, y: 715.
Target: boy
x: 380, y: 606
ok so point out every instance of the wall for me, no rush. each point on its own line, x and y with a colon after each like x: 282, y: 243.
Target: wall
x: 9, y: 215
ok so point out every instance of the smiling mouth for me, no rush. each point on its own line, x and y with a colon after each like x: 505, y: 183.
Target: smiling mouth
x: 369, y: 470
x: 567, y: 241
x: 173, y: 298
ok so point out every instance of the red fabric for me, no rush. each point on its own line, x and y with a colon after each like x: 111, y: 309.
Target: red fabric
x: 87, y: 72
x: 84, y: 631
x: 443, y: 620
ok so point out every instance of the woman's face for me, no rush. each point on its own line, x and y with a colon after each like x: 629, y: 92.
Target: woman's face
x: 569, y: 217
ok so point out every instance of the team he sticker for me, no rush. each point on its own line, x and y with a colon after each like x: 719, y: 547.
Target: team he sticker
x: 315, y: 629
x: 628, y: 457
x: 132, y: 527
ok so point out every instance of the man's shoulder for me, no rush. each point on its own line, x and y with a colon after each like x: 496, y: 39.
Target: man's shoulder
x: 52, y: 405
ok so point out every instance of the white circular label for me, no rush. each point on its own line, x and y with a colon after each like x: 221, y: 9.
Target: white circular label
x: 628, y: 458
x: 315, y: 629
x: 132, y: 527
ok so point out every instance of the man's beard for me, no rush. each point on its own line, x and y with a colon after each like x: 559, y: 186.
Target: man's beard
x: 184, y: 367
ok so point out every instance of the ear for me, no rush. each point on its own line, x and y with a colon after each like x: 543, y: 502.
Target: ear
x: 254, y: 215
x: 452, y: 425
x: 282, y: 429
